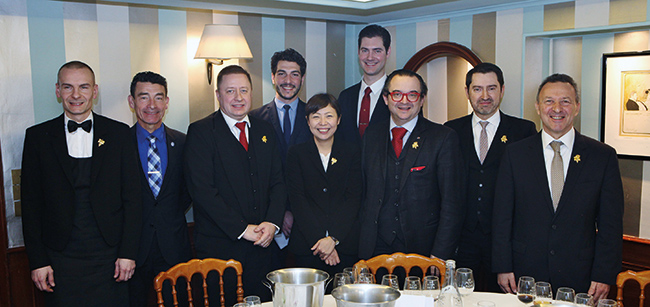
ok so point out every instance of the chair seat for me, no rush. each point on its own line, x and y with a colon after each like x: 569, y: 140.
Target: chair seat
x: 406, y: 261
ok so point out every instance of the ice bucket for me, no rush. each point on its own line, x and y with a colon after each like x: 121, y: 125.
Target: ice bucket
x: 297, y: 287
x: 365, y: 295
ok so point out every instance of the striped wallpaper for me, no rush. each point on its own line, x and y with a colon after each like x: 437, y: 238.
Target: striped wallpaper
x: 527, y: 42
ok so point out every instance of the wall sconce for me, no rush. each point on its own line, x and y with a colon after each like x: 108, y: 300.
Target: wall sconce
x: 222, y: 42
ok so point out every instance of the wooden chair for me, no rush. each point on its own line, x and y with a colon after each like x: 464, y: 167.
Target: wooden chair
x: 202, y: 267
x: 407, y: 261
x: 643, y: 278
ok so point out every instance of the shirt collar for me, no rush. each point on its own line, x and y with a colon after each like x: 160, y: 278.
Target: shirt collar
x: 280, y: 105
x: 143, y: 133
x: 375, y: 87
x: 495, y: 119
x: 567, y: 139
x: 66, y: 119
x: 409, y: 126
x: 231, y: 121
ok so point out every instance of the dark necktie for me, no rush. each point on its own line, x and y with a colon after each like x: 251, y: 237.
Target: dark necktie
x: 242, y: 134
x: 73, y: 126
x: 286, y: 126
x: 154, y: 166
x: 398, y: 136
x: 364, y: 113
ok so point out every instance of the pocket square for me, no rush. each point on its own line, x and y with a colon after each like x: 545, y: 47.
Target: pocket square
x: 417, y: 168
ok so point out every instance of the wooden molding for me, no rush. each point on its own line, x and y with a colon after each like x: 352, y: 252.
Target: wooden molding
x: 441, y: 49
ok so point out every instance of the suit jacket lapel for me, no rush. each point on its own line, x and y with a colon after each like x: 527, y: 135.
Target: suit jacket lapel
x: 575, y: 168
x: 229, y: 147
x: 300, y: 125
x: 412, y: 149
x: 536, y: 151
x: 172, y: 159
x: 99, y: 146
x: 60, y: 147
x: 275, y: 122
x: 466, y: 136
x: 314, y: 158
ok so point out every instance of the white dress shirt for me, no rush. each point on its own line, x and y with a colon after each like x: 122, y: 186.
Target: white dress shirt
x: 490, y: 129
x: 408, y: 126
x: 565, y: 150
x: 374, y: 95
x: 325, y: 159
x: 80, y: 142
x: 235, y: 131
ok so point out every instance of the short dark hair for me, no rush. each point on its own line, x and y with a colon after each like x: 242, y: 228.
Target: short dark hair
x: 404, y: 73
x: 375, y: 31
x: 74, y: 65
x: 320, y: 101
x: 484, y: 68
x: 289, y: 55
x: 231, y: 70
x: 148, y: 76
x: 555, y: 78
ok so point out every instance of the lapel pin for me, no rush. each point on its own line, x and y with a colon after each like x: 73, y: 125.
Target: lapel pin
x: 576, y: 158
x: 415, y: 145
x: 264, y: 139
x: 334, y: 161
x: 100, y: 142
x: 172, y: 144
x: 504, y: 139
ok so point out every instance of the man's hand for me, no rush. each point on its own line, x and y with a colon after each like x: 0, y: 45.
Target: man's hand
x: 44, y: 278
x: 598, y: 291
x: 333, y: 259
x: 266, y: 231
x: 287, y: 223
x: 250, y: 234
x: 434, y: 269
x: 124, y: 269
x: 324, y: 247
x: 507, y: 282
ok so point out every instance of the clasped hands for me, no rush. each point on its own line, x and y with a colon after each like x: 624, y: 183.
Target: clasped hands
x: 261, y: 234
x: 326, y: 251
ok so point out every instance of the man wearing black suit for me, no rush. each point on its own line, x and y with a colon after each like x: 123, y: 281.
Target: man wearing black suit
x: 164, y: 241
x: 362, y: 104
x: 413, y: 179
x: 288, y: 69
x: 484, y: 135
x: 81, y: 202
x: 234, y: 174
x: 558, y: 209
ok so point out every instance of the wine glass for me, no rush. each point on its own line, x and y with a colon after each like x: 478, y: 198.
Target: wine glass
x: 465, y: 281
x: 349, y: 271
x: 526, y: 289
x: 584, y: 299
x: 543, y: 292
x: 565, y: 294
x: 253, y: 300
x: 411, y: 284
x: 607, y: 303
x: 341, y: 279
x: 431, y: 285
x: 391, y: 281
x: 366, y: 278
x: 242, y: 305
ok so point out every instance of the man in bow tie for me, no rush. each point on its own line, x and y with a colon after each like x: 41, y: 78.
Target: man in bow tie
x: 413, y: 178
x: 81, y: 201
x: 558, y: 207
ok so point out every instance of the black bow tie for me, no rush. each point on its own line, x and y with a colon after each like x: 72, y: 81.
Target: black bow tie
x: 72, y: 126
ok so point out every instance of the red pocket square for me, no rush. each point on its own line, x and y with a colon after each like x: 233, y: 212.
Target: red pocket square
x: 417, y: 168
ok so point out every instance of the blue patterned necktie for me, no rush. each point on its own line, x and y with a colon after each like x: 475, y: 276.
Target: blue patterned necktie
x: 287, y: 124
x: 154, y: 166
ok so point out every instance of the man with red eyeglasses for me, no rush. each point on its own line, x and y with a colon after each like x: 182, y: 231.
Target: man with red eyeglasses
x: 412, y: 175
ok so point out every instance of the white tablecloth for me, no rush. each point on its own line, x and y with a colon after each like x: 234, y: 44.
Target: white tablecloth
x: 499, y: 299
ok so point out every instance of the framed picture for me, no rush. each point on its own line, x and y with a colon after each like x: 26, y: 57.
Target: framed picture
x: 625, y: 120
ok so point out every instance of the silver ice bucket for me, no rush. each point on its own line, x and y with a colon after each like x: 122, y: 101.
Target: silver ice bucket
x: 297, y: 287
x: 365, y: 295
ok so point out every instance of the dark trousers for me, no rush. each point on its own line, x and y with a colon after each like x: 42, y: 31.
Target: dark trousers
x: 475, y: 252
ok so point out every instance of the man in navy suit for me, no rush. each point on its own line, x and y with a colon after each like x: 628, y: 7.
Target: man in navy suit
x: 412, y: 172
x: 164, y: 241
x: 286, y: 113
x: 558, y: 207
x: 362, y: 104
x: 81, y: 199
x: 484, y: 135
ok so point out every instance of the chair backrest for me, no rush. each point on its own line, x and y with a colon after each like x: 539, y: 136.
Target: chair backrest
x: 202, y: 267
x: 643, y: 278
x: 407, y: 261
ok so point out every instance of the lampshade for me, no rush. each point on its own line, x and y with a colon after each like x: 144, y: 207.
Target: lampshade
x: 223, y: 42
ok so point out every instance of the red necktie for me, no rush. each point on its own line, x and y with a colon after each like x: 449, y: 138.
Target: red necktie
x: 398, y: 136
x: 364, y: 113
x: 242, y: 134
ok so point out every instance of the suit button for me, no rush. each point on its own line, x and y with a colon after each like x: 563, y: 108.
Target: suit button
x: 396, y: 176
x: 478, y: 212
x: 397, y: 218
x: 396, y: 190
x: 375, y: 222
x: 479, y: 199
x: 554, y: 227
x: 324, y: 189
x: 251, y: 174
x: 397, y: 163
x: 254, y: 208
x: 396, y: 205
x: 394, y: 232
x: 254, y: 191
x: 552, y: 252
x: 480, y: 185
x: 481, y: 171
x: 380, y: 200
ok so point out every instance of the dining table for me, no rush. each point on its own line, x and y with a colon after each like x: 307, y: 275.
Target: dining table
x: 470, y: 300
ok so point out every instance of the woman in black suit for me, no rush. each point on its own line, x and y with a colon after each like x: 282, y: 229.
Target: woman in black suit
x: 324, y: 185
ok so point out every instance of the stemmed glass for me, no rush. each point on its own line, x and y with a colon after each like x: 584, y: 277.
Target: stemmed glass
x: 391, y: 281
x: 607, y: 303
x: 543, y: 292
x: 584, y: 299
x: 341, y: 279
x: 366, y: 278
x: 349, y: 271
x: 526, y: 289
x: 412, y: 283
x: 565, y: 294
x: 431, y: 285
x: 465, y: 281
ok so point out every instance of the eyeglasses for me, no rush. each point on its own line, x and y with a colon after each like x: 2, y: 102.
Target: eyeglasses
x: 398, y: 96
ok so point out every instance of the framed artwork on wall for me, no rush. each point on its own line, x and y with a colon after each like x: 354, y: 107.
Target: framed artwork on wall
x: 625, y: 120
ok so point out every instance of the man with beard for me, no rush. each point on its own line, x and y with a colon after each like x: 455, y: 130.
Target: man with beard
x: 483, y: 135
x: 286, y: 113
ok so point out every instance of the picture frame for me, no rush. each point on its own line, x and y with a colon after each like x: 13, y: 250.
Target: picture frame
x: 625, y: 103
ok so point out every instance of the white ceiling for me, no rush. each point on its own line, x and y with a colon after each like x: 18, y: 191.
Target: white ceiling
x: 346, y: 10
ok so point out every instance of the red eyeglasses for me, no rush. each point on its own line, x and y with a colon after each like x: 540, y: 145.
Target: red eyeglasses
x: 398, y: 96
